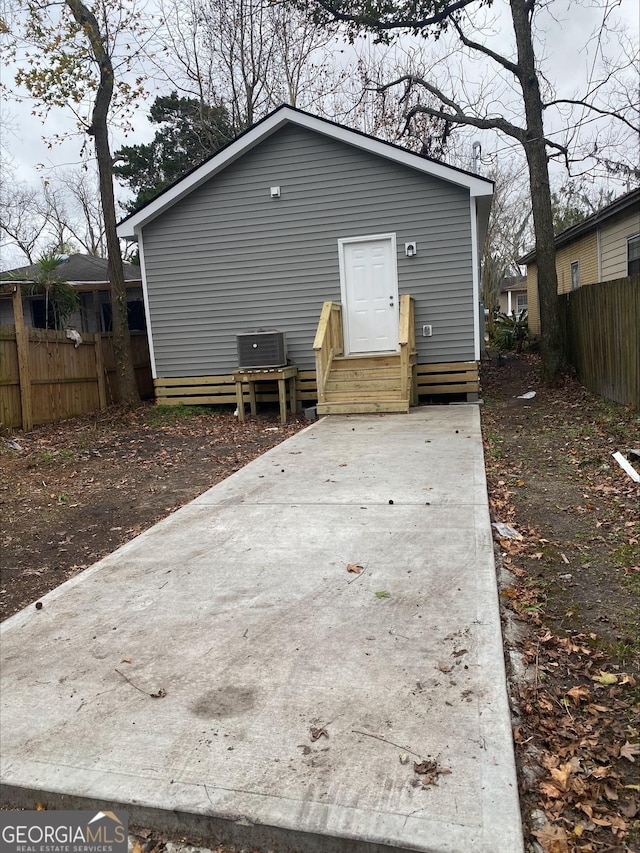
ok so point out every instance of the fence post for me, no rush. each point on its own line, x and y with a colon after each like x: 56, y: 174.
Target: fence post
x: 24, y: 368
x: 102, y: 389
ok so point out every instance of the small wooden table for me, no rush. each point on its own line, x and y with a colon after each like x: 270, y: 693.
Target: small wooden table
x: 268, y: 374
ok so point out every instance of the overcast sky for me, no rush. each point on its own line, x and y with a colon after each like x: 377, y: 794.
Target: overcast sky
x: 561, y: 29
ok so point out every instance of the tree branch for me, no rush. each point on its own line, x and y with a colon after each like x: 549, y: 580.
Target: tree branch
x: 594, y: 109
x: 481, y: 48
x: 373, y: 23
x: 458, y: 116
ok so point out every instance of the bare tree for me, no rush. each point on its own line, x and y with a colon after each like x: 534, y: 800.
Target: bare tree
x: 249, y: 55
x: 508, y: 232
x: 80, y: 63
x: 21, y: 221
x: 73, y: 208
x: 63, y: 215
x: 362, y: 100
x: 518, y: 111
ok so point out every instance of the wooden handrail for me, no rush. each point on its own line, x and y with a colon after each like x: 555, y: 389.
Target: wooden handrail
x: 407, y: 341
x: 327, y: 343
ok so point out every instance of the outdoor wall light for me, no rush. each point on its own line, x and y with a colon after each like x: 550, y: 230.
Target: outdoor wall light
x: 411, y: 249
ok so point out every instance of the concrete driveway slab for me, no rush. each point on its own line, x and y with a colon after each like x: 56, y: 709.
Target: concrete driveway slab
x: 298, y: 694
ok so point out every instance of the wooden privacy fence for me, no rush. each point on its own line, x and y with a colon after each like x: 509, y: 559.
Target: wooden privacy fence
x: 603, y: 336
x: 44, y: 377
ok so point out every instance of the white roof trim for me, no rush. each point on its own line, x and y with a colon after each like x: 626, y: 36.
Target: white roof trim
x: 131, y: 226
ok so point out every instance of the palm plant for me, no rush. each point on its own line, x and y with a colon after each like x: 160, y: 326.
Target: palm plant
x: 511, y: 331
x: 60, y: 298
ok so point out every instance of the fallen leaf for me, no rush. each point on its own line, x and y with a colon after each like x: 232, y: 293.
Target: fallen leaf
x: 606, y: 678
x: 629, y: 750
x: 355, y: 568
x: 553, y: 839
x: 578, y: 694
x: 382, y: 594
x: 318, y: 733
x: 159, y: 695
x: 561, y: 775
x: 444, y: 667
x: 125, y: 660
x: 551, y: 791
x: 426, y: 766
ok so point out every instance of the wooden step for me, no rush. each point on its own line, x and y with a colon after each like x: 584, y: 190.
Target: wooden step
x: 359, y: 384
x: 371, y: 394
x: 363, y: 373
x: 371, y: 384
x: 350, y: 362
x: 363, y: 407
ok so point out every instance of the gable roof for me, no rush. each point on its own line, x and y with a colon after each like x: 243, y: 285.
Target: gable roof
x: 479, y: 187
x: 76, y: 269
x: 591, y: 223
x: 514, y: 283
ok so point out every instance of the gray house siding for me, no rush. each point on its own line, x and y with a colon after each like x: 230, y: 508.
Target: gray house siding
x: 229, y: 258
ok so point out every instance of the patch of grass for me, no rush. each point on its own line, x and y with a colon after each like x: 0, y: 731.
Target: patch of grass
x: 492, y: 441
x: 626, y: 651
x: 632, y: 583
x: 62, y: 455
x: 574, y: 612
x: 626, y: 555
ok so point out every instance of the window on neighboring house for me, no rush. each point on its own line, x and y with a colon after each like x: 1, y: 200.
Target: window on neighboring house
x: 39, y: 317
x: 521, y: 303
x: 633, y: 255
x: 575, y: 275
x: 135, y: 316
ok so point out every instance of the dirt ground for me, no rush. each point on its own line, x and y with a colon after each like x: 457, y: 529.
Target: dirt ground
x: 571, y: 589
x: 79, y: 489
x: 76, y: 491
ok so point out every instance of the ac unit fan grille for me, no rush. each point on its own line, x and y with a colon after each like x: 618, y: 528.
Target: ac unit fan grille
x: 262, y: 349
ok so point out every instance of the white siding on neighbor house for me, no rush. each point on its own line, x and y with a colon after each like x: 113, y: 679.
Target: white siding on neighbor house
x: 613, y: 244
x: 229, y: 258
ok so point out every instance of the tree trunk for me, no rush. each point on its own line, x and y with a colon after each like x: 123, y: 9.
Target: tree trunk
x: 552, y: 333
x: 129, y: 395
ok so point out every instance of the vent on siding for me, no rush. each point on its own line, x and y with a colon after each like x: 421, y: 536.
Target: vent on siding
x: 262, y: 348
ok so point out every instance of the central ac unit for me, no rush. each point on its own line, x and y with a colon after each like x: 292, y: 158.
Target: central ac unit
x: 262, y: 348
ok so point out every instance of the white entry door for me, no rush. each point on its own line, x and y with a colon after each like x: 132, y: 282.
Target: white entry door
x: 369, y: 283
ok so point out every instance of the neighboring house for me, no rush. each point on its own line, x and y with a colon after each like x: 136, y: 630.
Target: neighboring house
x: 89, y: 276
x: 513, y: 295
x: 298, y: 212
x: 604, y: 247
